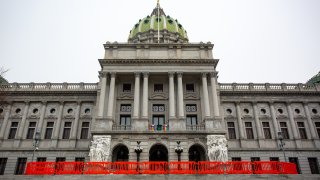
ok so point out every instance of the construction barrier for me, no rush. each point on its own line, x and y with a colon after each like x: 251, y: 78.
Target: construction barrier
x: 184, y: 167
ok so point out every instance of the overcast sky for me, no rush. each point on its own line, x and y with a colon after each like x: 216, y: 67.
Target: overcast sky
x: 256, y: 40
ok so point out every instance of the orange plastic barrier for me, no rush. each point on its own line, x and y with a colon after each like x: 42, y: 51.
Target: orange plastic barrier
x: 97, y: 168
x: 207, y: 167
x: 187, y: 167
x: 40, y: 168
x: 153, y: 167
x: 69, y: 167
x: 125, y: 168
x: 266, y: 167
x: 238, y: 167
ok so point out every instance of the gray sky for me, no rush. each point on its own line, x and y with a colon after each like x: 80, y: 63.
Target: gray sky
x: 256, y: 40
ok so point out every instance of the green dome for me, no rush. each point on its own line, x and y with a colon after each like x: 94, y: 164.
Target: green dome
x: 315, y: 79
x: 146, y: 30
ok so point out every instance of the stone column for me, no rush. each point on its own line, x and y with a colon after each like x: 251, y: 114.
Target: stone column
x: 310, y: 123
x: 180, y: 96
x: 23, y: 121
x: 145, y: 95
x: 136, y: 96
x: 172, y: 109
x: 257, y: 121
x: 103, y: 91
x: 5, y: 121
x: 43, y: 112
x: 292, y: 122
x: 215, y: 102
x: 274, y: 119
x: 58, y: 124
x: 205, y: 96
x: 76, y: 122
x: 241, y: 128
x: 111, y: 96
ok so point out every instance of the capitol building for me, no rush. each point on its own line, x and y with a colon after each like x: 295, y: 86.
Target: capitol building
x: 158, y: 91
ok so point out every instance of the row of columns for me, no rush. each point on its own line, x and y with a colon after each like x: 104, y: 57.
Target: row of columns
x: 275, y: 122
x: 172, y: 108
x: 22, y: 128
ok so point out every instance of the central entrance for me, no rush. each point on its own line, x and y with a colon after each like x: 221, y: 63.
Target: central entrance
x: 158, y: 152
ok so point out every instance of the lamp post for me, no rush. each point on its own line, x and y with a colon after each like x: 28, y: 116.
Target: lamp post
x: 138, y: 149
x: 282, y: 144
x: 36, y: 143
x: 178, y: 150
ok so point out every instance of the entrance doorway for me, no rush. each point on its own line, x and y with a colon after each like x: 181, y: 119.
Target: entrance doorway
x: 197, y: 153
x: 120, y: 153
x: 158, y: 152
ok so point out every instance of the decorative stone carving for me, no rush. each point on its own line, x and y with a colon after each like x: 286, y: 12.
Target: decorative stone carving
x: 100, y: 148
x: 217, y: 148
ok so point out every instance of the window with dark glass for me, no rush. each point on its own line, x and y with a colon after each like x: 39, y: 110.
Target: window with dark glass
x: 158, y: 122
x: 125, y: 120
x: 191, y: 108
x: 284, y: 130
x: 158, y: 108
x: 66, y: 130
x: 236, y: 159
x: 318, y: 128
x: 125, y: 108
x: 84, y: 130
x: 253, y: 159
x: 3, y: 163
x: 126, y: 88
x: 60, y: 166
x: 231, y: 130
x: 158, y: 87
x: 41, y: 159
x: 31, y: 130
x: 274, y: 158
x: 21, y: 165
x: 296, y: 161
x: 314, y: 166
x: 192, y: 120
x: 79, y: 159
x: 49, y: 129
x: 60, y: 159
x: 190, y: 87
x: 302, y: 130
x: 266, y: 130
x: 13, y: 130
x: 249, y: 130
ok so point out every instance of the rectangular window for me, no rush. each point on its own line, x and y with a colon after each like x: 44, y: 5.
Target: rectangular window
x: 13, y: 130
x: 318, y: 128
x: 126, y: 88
x: 314, y: 166
x: 189, y: 88
x: 253, y: 159
x: 296, y: 161
x: 274, y: 158
x: 266, y: 130
x: 192, y: 120
x: 21, y: 165
x: 236, y: 159
x: 41, y: 159
x: 231, y: 130
x: 302, y: 130
x: 191, y: 108
x: 60, y: 167
x: 125, y: 120
x: 125, y: 108
x: 84, y: 130
x: 66, y: 130
x: 49, y: 129
x: 79, y: 159
x: 158, y: 122
x: 60, y: 159
x: 284, y: 130
x: 158, y: 87
x: 249, y: 130
x: 31, y: 130
x: 158, y: 108
x: 3, y: 163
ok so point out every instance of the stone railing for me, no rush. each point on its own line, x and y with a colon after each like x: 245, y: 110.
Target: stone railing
x: 268, y: 87
x: 49, y: 87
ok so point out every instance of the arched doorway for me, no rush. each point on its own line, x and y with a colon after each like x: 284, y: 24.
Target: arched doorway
x: 120, y: 153
x: 158, y: 152
x: 197, y: 153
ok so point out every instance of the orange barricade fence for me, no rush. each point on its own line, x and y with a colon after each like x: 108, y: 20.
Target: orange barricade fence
x: 187, y: 167
x: 207, y: 167
x: 97, y: 168
x: 153, y: 167
x: 125, y: 168
x: 184, y: 167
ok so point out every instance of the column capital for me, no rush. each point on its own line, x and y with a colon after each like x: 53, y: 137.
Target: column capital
x: 288, y: 103
x: 254, y: 103
x: 145, y: 74
x: 204, y: 74
x: 27, y: 102
x: 113, y: 74
x: 61, y: 102
x: 237, y: 103
x: 102, y: 74
x: 78, y: 103
x: 271, y: 103
x: 305, y: 103
x: 179, y: 74
x: 171, y: 73
x: 213, y: 74
x: 137, y: 74
x: 44, y: 102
